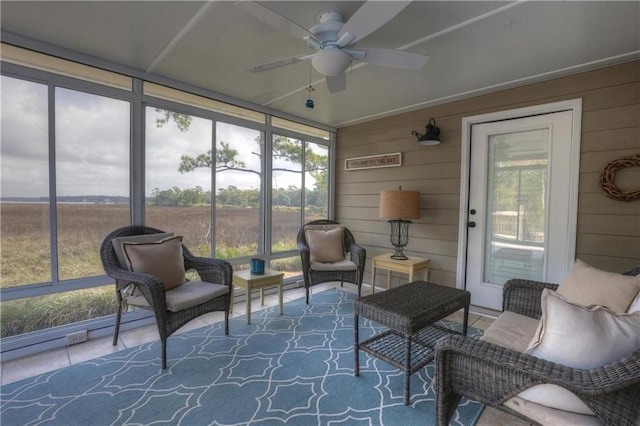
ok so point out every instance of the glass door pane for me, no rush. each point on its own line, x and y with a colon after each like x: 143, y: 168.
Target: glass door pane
x: 517, y: 191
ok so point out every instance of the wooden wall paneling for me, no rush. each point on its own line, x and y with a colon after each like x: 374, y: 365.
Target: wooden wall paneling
x: 623, y: 225
x: 613, y: 139
x: 610, y: 129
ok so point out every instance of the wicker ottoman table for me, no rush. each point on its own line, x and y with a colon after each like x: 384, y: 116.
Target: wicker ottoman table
x: 410, y: 311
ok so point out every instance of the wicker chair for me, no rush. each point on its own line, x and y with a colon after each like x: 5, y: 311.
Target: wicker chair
x: 210, y: 271
x: 315, y: 275
x: 491, y: 374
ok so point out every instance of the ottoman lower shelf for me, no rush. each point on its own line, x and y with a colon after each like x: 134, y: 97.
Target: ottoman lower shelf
x: 390, y: 346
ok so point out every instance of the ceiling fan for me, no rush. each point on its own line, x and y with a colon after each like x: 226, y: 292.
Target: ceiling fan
x: 332, y: 40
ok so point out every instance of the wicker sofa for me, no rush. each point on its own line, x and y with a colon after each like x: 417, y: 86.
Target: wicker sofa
x: 497, y: 373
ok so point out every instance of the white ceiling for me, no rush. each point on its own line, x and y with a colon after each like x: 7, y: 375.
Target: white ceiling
x: 474, y: 47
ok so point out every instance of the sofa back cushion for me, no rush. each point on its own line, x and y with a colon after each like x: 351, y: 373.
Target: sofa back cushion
x: 588, y: 286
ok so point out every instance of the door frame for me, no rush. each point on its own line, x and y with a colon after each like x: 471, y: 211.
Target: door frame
x: 573, y: 105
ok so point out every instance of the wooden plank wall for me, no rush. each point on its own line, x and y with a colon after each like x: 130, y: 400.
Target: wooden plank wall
x: 608, y: 230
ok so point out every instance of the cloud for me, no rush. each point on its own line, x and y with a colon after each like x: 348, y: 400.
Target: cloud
x: 92, y: 146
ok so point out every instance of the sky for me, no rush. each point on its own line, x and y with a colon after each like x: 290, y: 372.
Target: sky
x: 92, y: 146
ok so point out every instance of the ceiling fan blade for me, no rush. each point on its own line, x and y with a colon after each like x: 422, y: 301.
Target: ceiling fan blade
x: 337, y: 83
x: 274, y: 19
x: 279, y: 63
x: 371, y: 16
x: 393, y: 58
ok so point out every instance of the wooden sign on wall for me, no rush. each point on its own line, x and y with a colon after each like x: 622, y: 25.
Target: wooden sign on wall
x: 373, y: 161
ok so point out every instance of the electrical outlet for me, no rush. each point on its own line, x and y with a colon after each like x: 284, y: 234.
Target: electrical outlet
x: 77, y: 337
x: 300, y: 283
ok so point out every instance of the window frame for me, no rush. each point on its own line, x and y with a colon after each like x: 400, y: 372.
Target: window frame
x: 51, y: 338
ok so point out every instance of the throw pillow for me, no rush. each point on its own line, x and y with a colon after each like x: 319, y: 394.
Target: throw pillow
x: 162, y: 259
x: 635, y: 305
x: 578, y: 337
x: 143, y: 238
x: 588, y: 286
x: 326, y: 246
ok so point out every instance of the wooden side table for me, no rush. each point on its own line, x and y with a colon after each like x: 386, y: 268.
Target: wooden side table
x: 411, y: 266
x: 270, y: 278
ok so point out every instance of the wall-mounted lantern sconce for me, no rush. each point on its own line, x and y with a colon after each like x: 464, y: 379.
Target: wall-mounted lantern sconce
x: 431, y: 135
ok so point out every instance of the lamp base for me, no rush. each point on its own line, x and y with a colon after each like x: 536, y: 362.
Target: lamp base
x: 399, y: 254
x: 399, y: 237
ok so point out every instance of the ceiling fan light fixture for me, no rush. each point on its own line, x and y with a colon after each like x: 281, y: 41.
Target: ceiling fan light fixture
x: 331, y: 61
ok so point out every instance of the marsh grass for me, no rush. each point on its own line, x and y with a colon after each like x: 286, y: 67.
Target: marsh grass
x: 25, y: 252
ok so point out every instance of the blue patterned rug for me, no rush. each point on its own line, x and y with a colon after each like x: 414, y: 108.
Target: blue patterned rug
x: 295, y: 369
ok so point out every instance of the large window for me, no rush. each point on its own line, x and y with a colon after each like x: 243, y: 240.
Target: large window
x: 87, y: 151
x: 316, y: 181
x: 52, y: 228
x: 25, y: 250
x: 239, y: 155
x: 287, y: 192
x: 178, y: 196
x: 92, y: 177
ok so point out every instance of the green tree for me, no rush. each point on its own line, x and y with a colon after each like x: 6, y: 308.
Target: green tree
x: 283, y: 148
x: 182, y: 121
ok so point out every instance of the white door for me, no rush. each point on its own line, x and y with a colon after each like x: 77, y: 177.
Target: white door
x: 520, y: 216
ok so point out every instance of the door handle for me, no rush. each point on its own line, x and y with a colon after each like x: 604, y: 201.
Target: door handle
x: 471, y: 224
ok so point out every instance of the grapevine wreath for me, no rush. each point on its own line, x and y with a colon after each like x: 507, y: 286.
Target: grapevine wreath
x: 607, y: 179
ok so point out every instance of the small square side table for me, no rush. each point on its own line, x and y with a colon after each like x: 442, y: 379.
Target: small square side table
x: 410, y: 266
x: 270, y: 278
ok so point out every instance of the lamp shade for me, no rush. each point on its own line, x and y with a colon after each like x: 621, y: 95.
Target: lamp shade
x: 400, y: 205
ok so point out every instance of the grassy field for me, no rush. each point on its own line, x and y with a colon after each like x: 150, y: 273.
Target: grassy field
x: 25, y: 252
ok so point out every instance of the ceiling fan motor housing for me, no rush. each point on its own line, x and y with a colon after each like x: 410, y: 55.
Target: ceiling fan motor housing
x: 329, y: 25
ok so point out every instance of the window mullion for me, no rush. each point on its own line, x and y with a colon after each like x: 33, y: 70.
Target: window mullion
x: 53, y: 216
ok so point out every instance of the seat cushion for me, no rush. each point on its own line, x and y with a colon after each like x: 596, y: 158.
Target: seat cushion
x: 511, y: 330
x: 163, y: 259
x: 549, y: 416
x: 343, y: 265
x: 326, y: 246
x: 588, y: 286
x: 186, y: 296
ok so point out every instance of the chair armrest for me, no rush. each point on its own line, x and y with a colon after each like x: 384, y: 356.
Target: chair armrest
x: 217, y: 271
x: 523, y: 296
x: 305, y: 253
x: 491, y: 374
x: 151, y: 287
x: 305, y: 256
x: 358, y: 254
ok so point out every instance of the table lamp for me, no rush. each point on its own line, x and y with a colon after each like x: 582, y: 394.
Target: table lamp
x: 399, y: 206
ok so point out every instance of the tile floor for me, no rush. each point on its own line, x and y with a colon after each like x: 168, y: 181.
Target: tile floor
x: 18, y: 369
